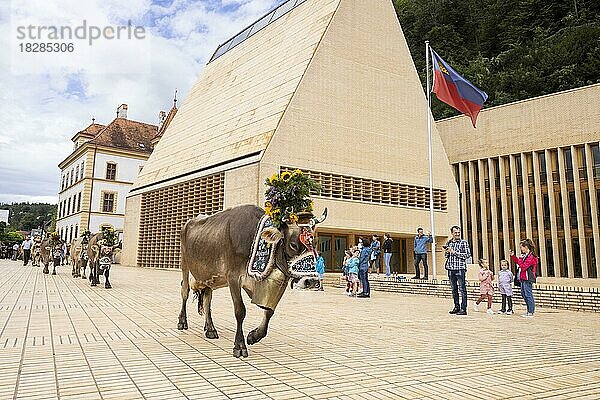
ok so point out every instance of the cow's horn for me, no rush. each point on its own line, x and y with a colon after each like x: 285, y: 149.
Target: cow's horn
x: 316, y: 221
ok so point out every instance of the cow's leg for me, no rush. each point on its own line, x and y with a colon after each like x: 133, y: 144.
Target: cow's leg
x: 239, y: 348
x: 106, y: 281
x: 185, y: 291
x: 83, y: 265
x: 260, y: 332
x: 209, y: 328
x: 93, y: 273
x: 46, y: 270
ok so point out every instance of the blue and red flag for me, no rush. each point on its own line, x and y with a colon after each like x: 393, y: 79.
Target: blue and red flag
x: 456, y: 91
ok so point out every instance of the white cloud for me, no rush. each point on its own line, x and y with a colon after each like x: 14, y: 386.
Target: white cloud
x: 42, y: 111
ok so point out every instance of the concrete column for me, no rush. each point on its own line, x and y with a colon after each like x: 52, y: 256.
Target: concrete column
x: 483, y: 215
x: 553, y: 224
x: 593, y: 203
x: 473, y: 199
x: 462, y: 172
x: 566, y: 212
x: 494, y: 214
x: 539, y: 206
x: 579, y: 206
x: 504, y: 203
x: 526, y: 198
x: 515, y: 201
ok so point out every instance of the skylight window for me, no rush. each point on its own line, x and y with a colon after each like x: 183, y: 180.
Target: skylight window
x: 261, y: 23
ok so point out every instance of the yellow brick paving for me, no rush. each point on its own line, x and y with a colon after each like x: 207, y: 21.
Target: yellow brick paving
x: 62, y: 339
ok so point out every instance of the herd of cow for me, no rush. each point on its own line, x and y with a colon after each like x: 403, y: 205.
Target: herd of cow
x: 87, y: 252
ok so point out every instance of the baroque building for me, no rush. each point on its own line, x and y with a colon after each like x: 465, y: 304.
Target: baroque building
x: 98, y: 174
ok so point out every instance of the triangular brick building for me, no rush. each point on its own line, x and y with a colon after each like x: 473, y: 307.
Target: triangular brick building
x: 326, y: 86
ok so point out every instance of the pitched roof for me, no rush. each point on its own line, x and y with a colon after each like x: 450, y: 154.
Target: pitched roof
x: 91, y: 131
x: 126, y: 134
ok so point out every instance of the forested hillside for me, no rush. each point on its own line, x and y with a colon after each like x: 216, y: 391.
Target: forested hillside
x: 27, y: 216
x: 512, y: 49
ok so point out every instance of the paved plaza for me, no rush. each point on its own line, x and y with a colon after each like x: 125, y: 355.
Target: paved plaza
x: 62, y: 339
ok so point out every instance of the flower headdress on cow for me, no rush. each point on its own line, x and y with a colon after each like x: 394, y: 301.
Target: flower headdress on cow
x: 109, y: 237
x: 85, y: 236
x: 288, y: 195
x: 55, y: 238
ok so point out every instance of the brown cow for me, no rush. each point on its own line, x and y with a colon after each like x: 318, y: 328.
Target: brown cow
x: 79, y: 257
x: 36, y: 251
x: 216, y: 250
x: 99, y: 259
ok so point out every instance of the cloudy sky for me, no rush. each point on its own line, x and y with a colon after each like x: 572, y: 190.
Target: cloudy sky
x: 47, y: 98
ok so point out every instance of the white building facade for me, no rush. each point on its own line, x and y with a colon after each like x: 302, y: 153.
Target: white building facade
x: 98, y: 174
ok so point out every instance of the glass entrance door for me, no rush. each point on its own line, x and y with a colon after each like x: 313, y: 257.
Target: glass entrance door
x: 332, y: 248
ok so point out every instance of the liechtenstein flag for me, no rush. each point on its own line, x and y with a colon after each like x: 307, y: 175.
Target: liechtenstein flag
x: 456, y: 91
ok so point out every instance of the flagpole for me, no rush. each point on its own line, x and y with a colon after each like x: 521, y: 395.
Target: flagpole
x: 433, y: 258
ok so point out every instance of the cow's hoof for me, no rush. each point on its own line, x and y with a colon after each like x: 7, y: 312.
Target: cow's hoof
x: 107, y: 286
x: 211, y: 334
x: 254, y: 337
x: 45, y: 271
x: 237, y: 353
x: 53, y: 272
x: 182, y: 325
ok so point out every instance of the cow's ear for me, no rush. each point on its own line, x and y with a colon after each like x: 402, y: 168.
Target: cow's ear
x: 271, y: 235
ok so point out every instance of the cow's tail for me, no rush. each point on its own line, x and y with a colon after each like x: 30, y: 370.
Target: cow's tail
x: 185, y: 271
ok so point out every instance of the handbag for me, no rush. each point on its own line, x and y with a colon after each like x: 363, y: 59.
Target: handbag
x: 517, y: 280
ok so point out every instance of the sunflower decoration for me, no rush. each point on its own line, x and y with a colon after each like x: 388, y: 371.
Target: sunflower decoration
x: 85, y: 236
x: 110, y: 237
x: 55, y: 238
x: 288, y: 194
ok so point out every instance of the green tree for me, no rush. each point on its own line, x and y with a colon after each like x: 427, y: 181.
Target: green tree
x: 27, y: 216
x: 512, y: 49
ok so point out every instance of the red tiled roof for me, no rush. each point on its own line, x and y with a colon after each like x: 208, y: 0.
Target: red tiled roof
x: 126, y: 134
x: 91, y: 131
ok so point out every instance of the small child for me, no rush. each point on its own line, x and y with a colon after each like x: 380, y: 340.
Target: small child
x: 347, y: 257
x: 320, y: 267
x: 505, y: 279
x: 486, y: 290
x: 353, y: 272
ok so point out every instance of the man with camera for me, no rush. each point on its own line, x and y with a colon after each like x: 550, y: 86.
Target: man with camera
x: 457, y: 252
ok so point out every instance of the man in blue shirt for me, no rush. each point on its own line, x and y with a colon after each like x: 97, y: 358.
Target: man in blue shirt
x: 457, y: 252
x: 420, y: 250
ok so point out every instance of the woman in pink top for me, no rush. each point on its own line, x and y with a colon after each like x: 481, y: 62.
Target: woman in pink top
x: 527, y: 263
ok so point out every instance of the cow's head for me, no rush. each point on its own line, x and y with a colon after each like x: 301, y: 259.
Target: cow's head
x: 295, y: 243
x: 105, y: 248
